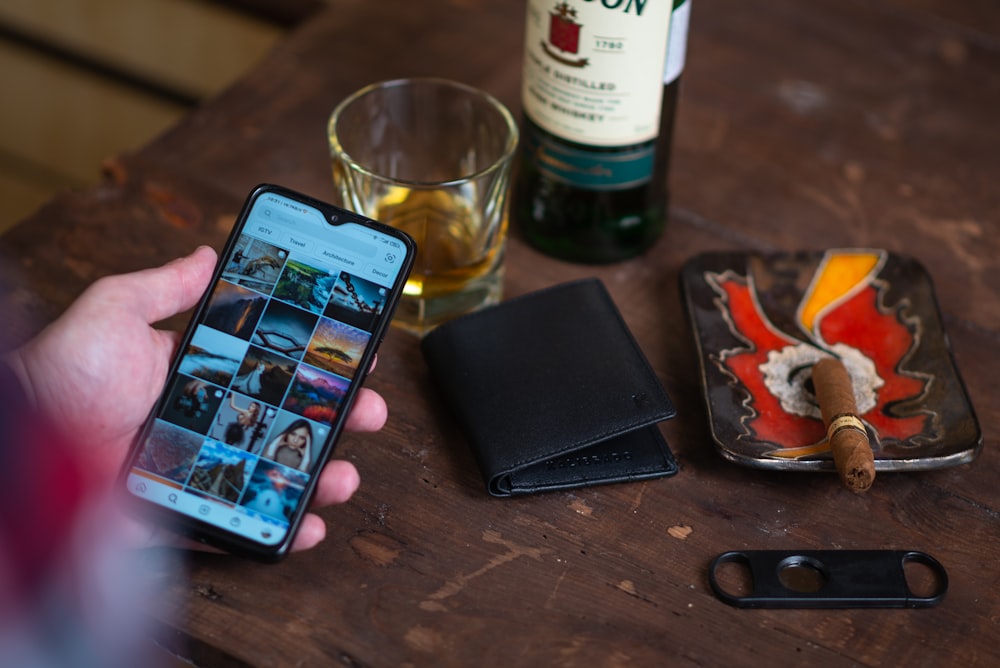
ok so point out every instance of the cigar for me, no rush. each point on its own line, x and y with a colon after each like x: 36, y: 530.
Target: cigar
x: 846, y: 433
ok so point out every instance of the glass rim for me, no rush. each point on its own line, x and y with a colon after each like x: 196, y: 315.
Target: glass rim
x: 338, y: 151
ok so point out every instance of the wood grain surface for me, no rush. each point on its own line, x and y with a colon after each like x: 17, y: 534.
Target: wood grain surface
x: 802, y: 125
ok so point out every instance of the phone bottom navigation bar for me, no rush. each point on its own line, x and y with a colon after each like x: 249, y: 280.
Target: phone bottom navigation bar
x: 233, y: 518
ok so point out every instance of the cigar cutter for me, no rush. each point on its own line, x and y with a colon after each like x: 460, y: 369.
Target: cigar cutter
x: 828, y: 579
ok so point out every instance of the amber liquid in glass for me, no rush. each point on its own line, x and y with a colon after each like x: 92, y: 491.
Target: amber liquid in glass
x: 458, y: 261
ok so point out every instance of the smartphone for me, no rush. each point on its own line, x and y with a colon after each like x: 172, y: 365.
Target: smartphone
x: 267, y: 371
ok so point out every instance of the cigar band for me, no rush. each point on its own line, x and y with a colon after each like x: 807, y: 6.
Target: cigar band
x: 845, y: 421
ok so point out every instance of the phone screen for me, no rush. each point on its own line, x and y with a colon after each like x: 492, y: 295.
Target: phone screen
x: 267, y: 370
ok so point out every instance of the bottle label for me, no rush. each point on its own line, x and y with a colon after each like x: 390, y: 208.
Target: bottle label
x: 593, y: 170
x: 593, y: 69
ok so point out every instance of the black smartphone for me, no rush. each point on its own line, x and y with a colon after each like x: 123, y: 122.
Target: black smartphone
x: 267, y: 371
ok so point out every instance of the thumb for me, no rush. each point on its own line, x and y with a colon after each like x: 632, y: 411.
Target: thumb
x: 175, y: 287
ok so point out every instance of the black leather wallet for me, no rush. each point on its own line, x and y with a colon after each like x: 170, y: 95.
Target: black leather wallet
x: 552, y: 391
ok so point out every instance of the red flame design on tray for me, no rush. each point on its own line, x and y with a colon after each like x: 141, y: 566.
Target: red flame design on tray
x: 841, y: 314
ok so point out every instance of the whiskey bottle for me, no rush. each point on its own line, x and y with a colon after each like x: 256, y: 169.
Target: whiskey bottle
x: 599, y: 90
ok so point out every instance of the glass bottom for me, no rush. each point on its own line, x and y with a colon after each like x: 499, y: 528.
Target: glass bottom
x: 419, y: 315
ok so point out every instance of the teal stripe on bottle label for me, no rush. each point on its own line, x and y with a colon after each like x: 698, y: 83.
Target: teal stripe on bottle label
x: 593, y: 170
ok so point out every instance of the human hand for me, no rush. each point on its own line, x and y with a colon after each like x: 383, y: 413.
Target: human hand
x: 97, y: 370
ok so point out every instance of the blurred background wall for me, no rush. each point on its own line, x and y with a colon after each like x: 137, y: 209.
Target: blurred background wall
x: 84, y: 80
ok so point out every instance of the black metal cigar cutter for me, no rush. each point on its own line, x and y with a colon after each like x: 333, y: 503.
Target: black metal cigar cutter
x: 828, y: 579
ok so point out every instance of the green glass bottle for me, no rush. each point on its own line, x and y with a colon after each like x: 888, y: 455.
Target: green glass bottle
x: 599, y: 106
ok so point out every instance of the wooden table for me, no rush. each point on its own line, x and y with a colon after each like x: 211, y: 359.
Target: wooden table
x: 801, y: 125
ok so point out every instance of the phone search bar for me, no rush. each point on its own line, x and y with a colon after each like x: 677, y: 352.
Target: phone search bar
x: 331, y: 236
